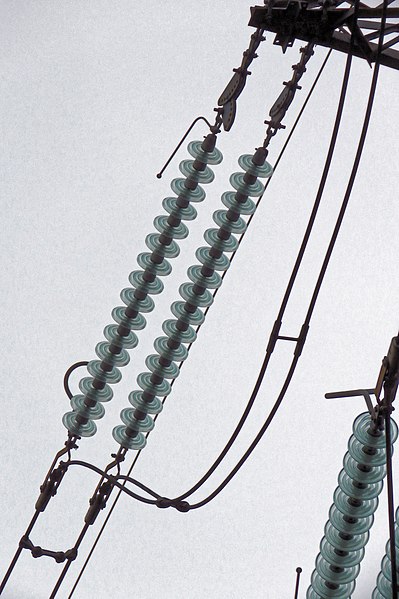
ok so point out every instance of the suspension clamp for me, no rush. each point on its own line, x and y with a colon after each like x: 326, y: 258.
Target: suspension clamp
x: 98, y: 502
x: 49, y: 488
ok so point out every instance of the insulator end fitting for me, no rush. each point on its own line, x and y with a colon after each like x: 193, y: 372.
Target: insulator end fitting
x: 209, y: 143
x: 259, y: 157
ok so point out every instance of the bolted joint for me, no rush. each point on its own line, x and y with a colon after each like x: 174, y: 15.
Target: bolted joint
x: 98, y: 502
x: 49, y: 488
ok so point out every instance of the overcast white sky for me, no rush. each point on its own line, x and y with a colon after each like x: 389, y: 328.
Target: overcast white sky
x: 95, y: 97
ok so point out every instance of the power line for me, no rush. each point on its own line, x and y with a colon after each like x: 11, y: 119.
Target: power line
x: 323, y: 270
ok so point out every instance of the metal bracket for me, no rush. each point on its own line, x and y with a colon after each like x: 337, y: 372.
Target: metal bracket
x: 328, y: 25
x: 365, y: 393
x: 388, y: 379
x: 49, y: 488
x: 228, y: 98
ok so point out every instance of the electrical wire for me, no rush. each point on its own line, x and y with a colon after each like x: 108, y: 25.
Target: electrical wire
x: 320, y: 279
x: 115, y: 479
x: 274, y: 334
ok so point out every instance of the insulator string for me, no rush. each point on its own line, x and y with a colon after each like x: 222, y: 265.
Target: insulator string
x: 112, y: 353
x: 136, y: 457
x: 351, y: 516
x: 162, y: 366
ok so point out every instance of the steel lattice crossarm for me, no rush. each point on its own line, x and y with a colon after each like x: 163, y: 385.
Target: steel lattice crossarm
x: 331, y: 24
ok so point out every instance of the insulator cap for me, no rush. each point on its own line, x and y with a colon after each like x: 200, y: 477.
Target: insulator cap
x: 120, y: 436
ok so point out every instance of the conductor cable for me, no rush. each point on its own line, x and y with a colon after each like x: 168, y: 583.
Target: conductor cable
x: 320, y: 279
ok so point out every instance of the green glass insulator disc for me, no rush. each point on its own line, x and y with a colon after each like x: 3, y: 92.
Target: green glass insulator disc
x: 140, y: 305
x: 229, y: 200
x: 311, y: 594
x: 171, y: 206
x: 111, y: 376
x: 111, y: 334
x: 367, y: 508
x: 102, y: 351
x: 348, y: 575
x: 250, y: 189
x: 196, y: 318
x: 212, y: 282
x: 187, y: 293
x: 377, y: 595
x: 144, y: 382
x: 220, y: 218
x: 356, y: 528
x: 346, y: 484
x: 376, y: 474
x: 187, y: 169
x: 386, y: 568
x: 94, y: 412
x: 194, y: 195
x: 155, y: 406
x: 167, y: 372
x: 169, y: 328
x: 384, y: 586
x: 352, y: 558
x: 387, y: 547
x: 170, y: 251
x: 264, y: 171
x: 203, y: 255
x: 214, y: 157
x: 342, y: 592
x: 162, y: 270
x: 82, y: 430
x: 356, y: 451
x: 361, y: 427
x: 119, y: 315
x: 143, y: 426
x: 388, y: 544
x: 225, y: 245
x: 161, y: 225
x: 103, y: 395
x: 178, y: 355
x: 356, y: 543
x: 137, y: 280
x: 137, y: 443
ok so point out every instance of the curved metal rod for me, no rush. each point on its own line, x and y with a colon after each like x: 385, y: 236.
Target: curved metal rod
x: 68, y: 374
x: 199, y: 118
x: 114, y: 480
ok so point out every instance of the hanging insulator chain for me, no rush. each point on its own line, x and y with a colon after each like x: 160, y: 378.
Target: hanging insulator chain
x: 351, y: 515
x: 113, y: 353
x: 384, y: 579
x: 228, y: 100
x: 196, y: 295
x: 283, y: 102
